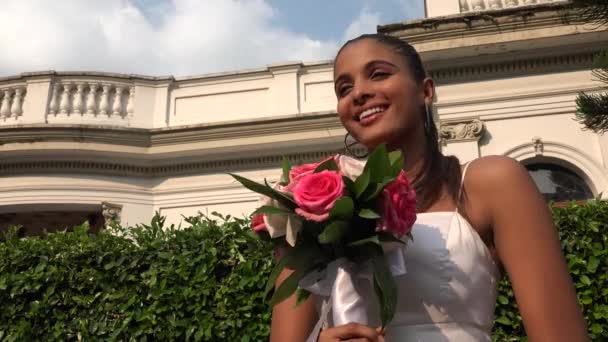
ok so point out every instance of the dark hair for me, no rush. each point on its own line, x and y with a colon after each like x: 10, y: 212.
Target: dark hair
x: 436, y: 166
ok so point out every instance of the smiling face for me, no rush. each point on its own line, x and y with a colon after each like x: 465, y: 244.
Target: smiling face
x: 379, y: 101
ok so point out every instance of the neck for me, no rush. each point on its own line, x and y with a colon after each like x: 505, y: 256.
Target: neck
x: 414, y: 152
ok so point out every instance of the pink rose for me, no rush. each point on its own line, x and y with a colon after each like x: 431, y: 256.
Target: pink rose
x: 398, y: 206
x: 296, y: 173
x: 316, y: 193
x: 257, y: 223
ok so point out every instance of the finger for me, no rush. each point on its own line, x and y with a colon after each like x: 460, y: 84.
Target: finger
x: 354, y: 330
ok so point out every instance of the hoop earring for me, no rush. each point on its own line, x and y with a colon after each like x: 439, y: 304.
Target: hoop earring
x: 428, y: 119
x: 348, y: 146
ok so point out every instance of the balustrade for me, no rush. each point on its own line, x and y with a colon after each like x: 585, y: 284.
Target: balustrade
x: 11, y: 103
x: 482, y: 5
x: 94, y: 100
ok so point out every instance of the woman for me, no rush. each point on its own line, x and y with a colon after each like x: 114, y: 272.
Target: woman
x: 474, y: 221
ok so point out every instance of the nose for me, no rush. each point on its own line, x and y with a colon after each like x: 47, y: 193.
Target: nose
x: 361, y: 93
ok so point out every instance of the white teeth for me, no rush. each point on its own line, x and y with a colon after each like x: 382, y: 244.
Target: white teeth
x: 370, y: 112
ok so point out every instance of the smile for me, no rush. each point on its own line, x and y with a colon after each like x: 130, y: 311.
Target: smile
x: 371, y: 111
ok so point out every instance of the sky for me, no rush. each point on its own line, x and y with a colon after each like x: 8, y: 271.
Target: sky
x: 183, y: 37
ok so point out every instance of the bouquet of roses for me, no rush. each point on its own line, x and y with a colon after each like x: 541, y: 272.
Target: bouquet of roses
x: 341, y: 217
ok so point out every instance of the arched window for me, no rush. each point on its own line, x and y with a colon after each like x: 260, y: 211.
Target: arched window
x: 559, y: 184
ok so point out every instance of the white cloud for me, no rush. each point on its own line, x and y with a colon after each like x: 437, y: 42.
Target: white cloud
x: 186, y: 37
x: 366, y: 22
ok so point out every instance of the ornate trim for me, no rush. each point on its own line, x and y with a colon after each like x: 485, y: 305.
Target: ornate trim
x: 469, y: 129
x: 539, y: 147
x: 526, y: 66
x: 184, y: 168
x: 111, y: 212
x: 587, y: 167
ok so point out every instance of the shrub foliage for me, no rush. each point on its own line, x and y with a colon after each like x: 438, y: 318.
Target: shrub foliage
x: 206, y: 281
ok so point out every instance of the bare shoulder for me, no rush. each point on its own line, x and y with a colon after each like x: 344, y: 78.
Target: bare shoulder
x: 493, y: 173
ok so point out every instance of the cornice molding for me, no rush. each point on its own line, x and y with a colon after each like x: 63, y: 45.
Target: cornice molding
x: 177, y: 169
x: 486, y: 22
x: 140, y: 137
x: 513, y: 67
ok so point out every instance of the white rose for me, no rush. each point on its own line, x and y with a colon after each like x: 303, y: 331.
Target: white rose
x: 349, y: 166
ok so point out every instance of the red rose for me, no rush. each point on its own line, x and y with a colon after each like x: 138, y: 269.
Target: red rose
x: 257, y: 223
x: 398, y: 206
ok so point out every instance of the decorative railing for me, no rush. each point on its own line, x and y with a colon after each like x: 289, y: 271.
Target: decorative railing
x: 11, y: 103
x: 91, y: 100
x: 482, y: 5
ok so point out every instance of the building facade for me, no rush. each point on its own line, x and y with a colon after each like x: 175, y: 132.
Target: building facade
x: 102, y: 147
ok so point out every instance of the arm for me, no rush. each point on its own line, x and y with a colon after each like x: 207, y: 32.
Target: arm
x: 291, y: 323
x: 527, y: 244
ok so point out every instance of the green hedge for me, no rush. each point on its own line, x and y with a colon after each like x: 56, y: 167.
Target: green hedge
x: 583, y: 231
x: 205, y: 281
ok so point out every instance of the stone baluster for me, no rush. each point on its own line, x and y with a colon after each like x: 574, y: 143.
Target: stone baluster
x: 513, y: 3
x: 527, y: 2
x: 54, y: 104
x: 494, y: 4
x: 16, y: 108
x: 477, y: 5
x: 5, y: 108
x: 91, y: 99
x: 131, y: 104
x: 464, y: 6
x: 78, y: 102
x: 104, y: 105
x: 64, y: 105
x: 116, y: 107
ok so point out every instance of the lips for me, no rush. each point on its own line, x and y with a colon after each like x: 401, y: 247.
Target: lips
x: 370, y: 114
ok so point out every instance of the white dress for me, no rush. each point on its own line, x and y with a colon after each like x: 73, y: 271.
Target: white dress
x: 449, y: 291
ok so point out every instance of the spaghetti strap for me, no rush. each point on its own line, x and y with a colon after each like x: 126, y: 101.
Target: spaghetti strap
x: 464, y: 172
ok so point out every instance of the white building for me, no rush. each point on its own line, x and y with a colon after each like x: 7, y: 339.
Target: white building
x: 74, y: 145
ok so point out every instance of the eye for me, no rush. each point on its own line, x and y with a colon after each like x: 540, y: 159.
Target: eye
x: 378, y: 74
x: 344, y: 89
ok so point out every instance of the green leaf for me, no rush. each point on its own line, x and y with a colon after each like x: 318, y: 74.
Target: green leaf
x: 268, y: 209
x: 372, y: 239
x: 389, y: 237
x: 585, y: 280
x: 385, y: 288
x: 504, y: 320
x: 274, y: 275
x: 265, y: 190
x: 342, y: 209
x: 333, y: 232
x: 329, y: 164
x: 350, y: 185
x: 369, y: 214
x: 397, y: 163
x: 286, y: 167
x: 288, y: 287
x: 378, y: 164
x: 373, y: 191
x: 593, y: 264
x: 361, y: 183
x: 302, y: 296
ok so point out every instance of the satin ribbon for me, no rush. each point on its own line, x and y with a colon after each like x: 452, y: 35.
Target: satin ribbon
x: 337, y: 283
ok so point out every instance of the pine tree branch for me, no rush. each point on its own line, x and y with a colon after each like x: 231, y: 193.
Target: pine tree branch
x: 600, y: 67
x: 592, y: 111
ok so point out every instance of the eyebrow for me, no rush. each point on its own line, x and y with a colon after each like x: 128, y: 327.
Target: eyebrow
x: 367, y: 66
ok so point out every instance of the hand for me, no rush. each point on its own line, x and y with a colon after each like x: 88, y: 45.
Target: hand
x: 352, y: 332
